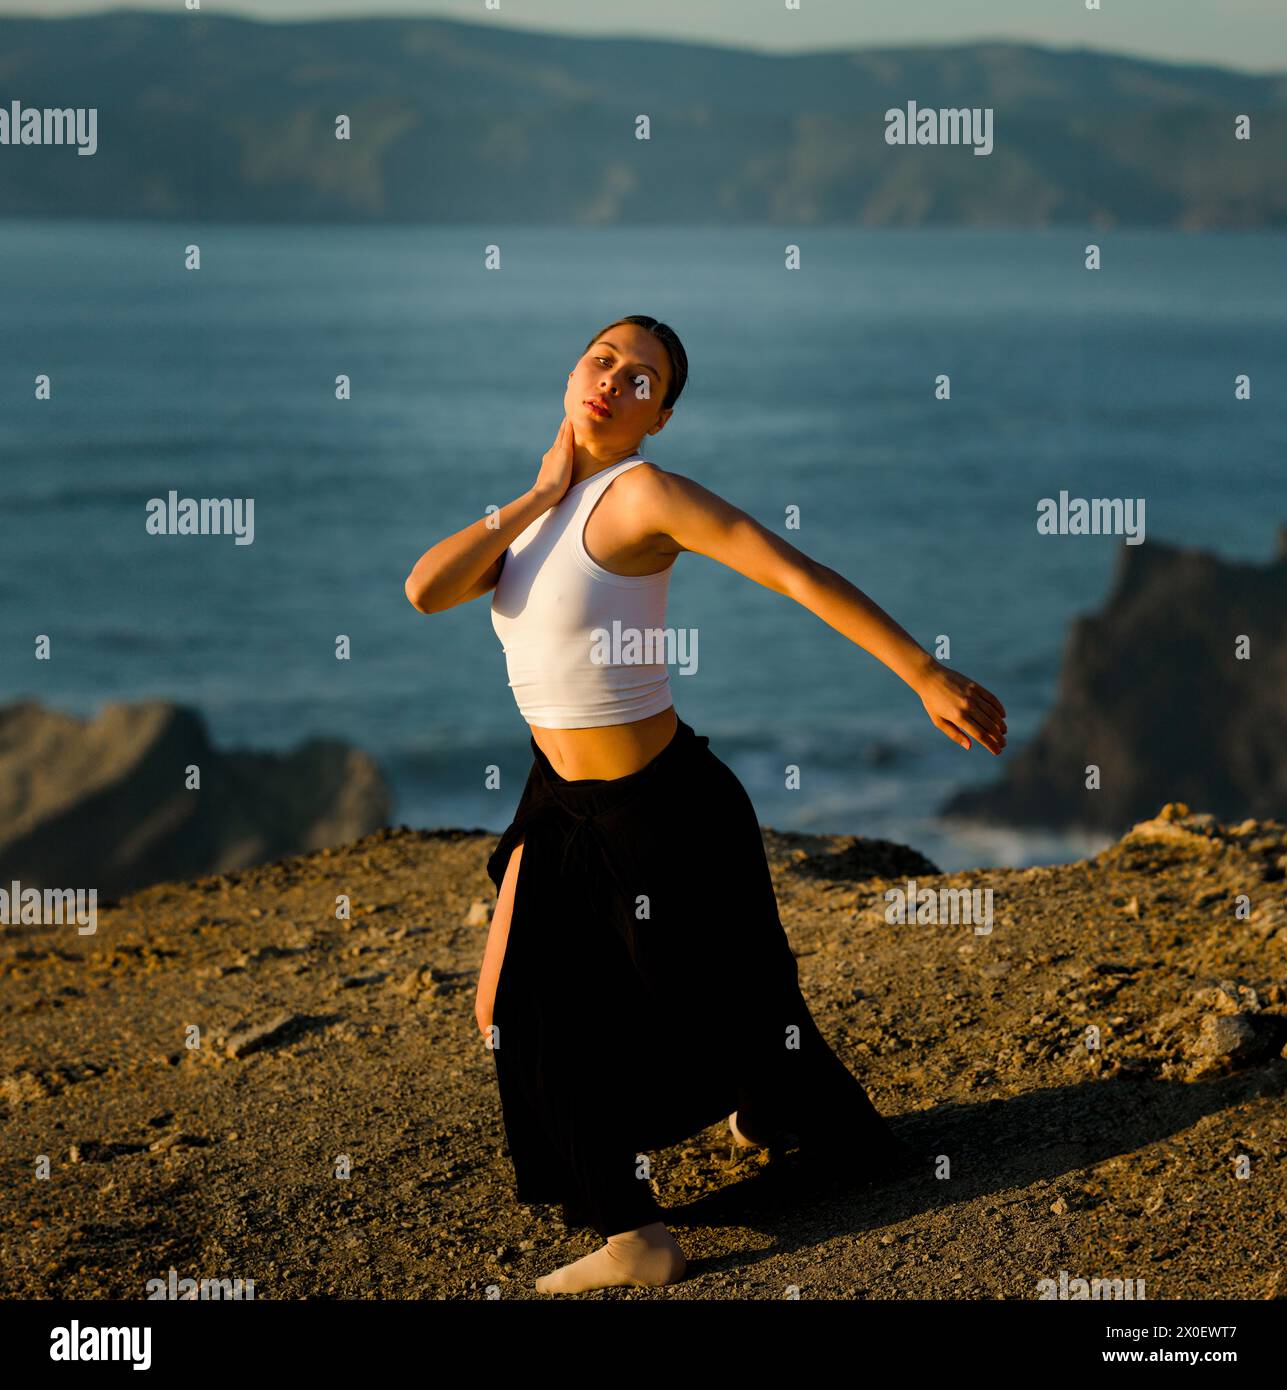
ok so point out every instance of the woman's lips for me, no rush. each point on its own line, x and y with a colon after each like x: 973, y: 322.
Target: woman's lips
x: 598, y: 410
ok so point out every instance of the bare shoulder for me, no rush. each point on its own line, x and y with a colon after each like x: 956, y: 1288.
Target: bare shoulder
x: 649, y: 485
x: 643, y: 478
x: 675, y: 512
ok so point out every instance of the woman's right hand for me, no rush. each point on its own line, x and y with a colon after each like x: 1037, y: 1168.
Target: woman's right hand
x: 556, y: 467
x: 960, y: 707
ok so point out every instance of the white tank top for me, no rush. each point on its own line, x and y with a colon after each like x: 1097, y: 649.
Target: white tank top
x: 565, y: 622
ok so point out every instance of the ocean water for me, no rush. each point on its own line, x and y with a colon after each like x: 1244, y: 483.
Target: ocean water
x: 812, y: 388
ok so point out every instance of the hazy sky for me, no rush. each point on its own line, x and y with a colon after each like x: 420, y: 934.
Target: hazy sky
x: 1250, y: 34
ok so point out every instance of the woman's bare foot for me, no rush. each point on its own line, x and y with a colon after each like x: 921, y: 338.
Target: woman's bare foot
x: 742, y: 1140
x: 649, y: 1256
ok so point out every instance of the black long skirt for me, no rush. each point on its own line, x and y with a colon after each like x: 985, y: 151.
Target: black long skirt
x: 648, y: 989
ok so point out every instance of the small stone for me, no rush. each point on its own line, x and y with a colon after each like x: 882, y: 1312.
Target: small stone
x: 1059, y: 1207
x: 178, y: 1140
x: 410, y: 984
x: 1221, y: 999
x: 25, y: 1085
x: 91, y: 1151
x: 1243, y: 1037
x: 248, y: 1040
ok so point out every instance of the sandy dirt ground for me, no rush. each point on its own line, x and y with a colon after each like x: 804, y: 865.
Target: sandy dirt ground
x: 336, y: 1131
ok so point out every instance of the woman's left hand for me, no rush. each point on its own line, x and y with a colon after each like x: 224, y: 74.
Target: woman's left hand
x: 962, y: 708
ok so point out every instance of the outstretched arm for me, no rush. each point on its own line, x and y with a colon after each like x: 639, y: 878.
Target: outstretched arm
x: 683, y: 515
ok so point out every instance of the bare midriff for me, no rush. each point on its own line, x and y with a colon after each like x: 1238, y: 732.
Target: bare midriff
x: 609, y: 751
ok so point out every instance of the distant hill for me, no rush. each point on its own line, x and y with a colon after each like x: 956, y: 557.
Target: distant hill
x: 202, y: 116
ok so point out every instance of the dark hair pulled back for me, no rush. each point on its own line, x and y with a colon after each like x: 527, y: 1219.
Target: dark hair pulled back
x: 669, y: 339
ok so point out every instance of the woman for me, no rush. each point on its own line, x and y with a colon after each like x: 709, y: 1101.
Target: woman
x: 637, y: 983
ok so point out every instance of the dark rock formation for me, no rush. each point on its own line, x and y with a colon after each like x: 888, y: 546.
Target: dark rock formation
x: 104, y: 803
x: 843, y: 858
x: 1153, y: 693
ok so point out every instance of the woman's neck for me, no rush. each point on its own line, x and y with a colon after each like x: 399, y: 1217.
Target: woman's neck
x: 586, y: 465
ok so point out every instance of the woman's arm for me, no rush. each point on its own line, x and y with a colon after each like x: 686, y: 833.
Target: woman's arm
x: 458, y: 568
x: 683, y: 515
x: 469, y: 563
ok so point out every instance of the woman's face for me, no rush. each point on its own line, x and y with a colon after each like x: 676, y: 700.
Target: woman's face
x: 611, y: 370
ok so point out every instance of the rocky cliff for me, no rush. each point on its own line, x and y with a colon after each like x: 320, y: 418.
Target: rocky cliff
x: 1157, y: 693
x: 106, y: 803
